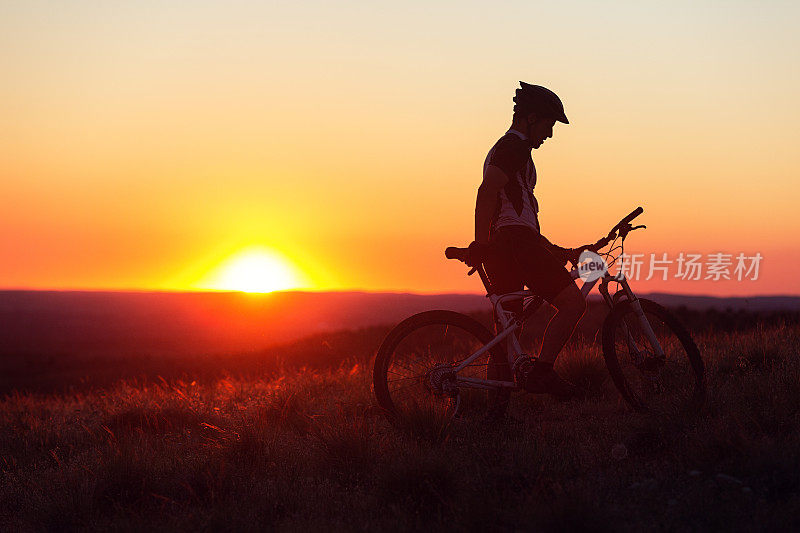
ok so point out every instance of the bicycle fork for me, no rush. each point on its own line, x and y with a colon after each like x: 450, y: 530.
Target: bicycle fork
x: 637, y: 308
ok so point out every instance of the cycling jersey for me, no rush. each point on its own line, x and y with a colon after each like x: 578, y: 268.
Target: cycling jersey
x: 516, y: 205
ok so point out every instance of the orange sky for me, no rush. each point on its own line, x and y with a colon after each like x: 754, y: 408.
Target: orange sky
x: 143, y: 145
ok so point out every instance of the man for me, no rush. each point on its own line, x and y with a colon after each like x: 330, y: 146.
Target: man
x: 508, y: 240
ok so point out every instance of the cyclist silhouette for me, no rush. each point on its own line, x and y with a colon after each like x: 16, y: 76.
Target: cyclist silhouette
x: 508, y: 239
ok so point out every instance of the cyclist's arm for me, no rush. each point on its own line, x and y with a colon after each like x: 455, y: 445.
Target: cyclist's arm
x: 494, y: 180
x: 547, y: 243
x: 556, y: 250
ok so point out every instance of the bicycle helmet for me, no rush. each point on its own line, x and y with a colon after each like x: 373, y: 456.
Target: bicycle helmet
x: 537, y: 99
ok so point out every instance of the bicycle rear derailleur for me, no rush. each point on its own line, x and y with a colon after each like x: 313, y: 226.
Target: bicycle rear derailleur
x: 441, y: 380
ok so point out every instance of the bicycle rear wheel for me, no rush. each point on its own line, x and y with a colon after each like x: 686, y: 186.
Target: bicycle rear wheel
x: 671, y: 385
x: 412, y: 377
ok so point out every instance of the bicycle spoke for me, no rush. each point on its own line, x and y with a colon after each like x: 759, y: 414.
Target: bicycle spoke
x: 419, y: 375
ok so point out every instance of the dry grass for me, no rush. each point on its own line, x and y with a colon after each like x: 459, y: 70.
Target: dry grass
x: 309, y: 450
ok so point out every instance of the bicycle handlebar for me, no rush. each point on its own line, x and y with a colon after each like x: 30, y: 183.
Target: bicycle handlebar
x: 635, y: 213
x: 622, y: 227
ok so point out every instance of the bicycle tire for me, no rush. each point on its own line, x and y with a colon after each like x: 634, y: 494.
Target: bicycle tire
x: 670, y: 386
x: 486, y: 405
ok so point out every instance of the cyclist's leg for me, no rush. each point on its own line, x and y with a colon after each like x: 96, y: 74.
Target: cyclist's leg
x: 503, y: 273
x: 570, y: 305
x: 505, y: 277
x: 547, y: 277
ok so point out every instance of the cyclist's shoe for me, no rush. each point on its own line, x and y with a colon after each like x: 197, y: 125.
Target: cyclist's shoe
x: 539, y: 377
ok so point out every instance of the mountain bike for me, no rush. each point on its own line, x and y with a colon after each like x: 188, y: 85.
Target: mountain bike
x: 438, y: 365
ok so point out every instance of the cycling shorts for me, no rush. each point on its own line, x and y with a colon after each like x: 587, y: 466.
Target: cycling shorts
x: 518, y: 258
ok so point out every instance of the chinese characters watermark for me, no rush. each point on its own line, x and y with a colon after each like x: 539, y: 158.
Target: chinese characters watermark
x: 691, y: 267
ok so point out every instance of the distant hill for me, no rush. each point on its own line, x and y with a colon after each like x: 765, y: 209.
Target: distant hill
x: 62, y: 322
x: 739, y: 303
x: 152, y: 323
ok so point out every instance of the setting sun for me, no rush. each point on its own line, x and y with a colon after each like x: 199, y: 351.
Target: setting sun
x: 256, y: 269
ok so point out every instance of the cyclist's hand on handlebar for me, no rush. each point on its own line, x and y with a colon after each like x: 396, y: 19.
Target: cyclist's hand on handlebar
x: 564, y: 255
x: 476, y: 253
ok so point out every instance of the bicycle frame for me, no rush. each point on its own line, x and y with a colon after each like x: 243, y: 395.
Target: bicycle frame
x: 510, y: 323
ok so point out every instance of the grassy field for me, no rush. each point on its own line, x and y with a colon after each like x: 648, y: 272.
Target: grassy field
x: 304, y: 448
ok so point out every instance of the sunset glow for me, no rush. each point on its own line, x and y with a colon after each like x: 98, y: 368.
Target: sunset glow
x: 255, y: 270
x: 351, y: 137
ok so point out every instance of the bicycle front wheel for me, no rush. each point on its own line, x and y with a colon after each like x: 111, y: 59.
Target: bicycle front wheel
x: 665, y: 385
x: 414, y: 380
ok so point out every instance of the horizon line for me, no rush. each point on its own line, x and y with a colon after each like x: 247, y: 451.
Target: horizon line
x: 344, y: 291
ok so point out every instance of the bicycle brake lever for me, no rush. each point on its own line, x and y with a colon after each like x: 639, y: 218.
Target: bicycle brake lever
x: 624, y: 230
x: 471, y: 272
